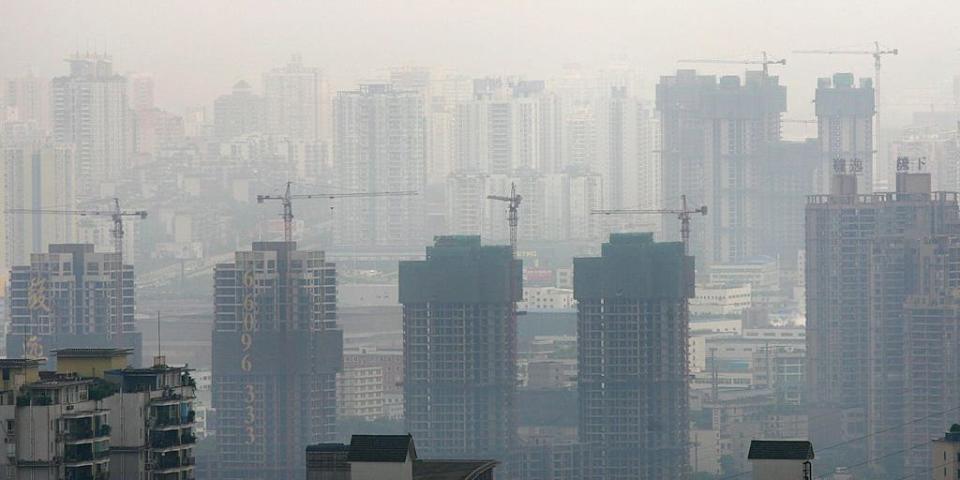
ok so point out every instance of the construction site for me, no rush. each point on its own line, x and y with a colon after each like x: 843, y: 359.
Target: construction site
x: 632, y: 356
x: 459, y: 331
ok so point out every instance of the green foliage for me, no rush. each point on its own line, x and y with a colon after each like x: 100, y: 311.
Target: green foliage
x: 101, y: 389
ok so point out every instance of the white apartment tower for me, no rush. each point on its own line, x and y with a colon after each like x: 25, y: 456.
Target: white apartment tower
x: 296, y: 101
x: 90, y: 110
x: 36, y: 176
x: 379, y: 146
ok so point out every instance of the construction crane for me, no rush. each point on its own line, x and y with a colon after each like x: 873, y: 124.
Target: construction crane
x: 287, y: 201
x: 513, y: 216
x: 764, y: 60
x: 683, y: 214
x: 116, y: 215
x: 876, y: 53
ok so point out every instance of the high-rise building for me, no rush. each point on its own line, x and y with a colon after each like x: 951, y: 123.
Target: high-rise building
x: 509, y: 125
x: 296, y: 101
x: 459, y: 333
x: 238, y: 113
x: 379, y: 146
x: 881, y: 280
x: 716, y: 137
x: 276, y: 351
x: 36, y: 176
x: 632, y: 324
x: 787, y: 178
x: 67, y: 298
x: 26, y: 99
x: 626, y: 151
x: 845, y: 129
x: 141, y: 92
x: 90, y: 111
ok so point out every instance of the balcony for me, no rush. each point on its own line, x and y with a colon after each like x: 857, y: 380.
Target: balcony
x: 86, y: 434
x: 167, y: 420
x: 169, y: 439
x: 85, y: 473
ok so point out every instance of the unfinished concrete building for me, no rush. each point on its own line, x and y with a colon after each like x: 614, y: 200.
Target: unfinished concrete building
x: 717, y: 137
x: 632, y: 352
x: 845, y: 132
x: 882, y: 274
x: 459, y: 340
x: 276, y: 351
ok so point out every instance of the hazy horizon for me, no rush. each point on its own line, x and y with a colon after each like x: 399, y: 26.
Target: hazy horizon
x: 197, y: 50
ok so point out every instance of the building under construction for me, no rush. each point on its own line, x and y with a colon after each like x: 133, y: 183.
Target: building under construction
x: 67, y: 298
x: 632, y: 325
x: 717, y: 141
x: 459, y: 340
x: 883, y: 271
x: 276, y: 351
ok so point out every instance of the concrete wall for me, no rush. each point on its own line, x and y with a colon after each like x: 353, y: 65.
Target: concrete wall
x: 381, y: 470
x: 777, y: 469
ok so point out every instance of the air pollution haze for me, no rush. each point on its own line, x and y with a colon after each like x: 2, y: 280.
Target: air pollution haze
x: 441, y: 240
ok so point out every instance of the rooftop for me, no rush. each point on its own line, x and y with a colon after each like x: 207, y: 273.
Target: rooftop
x: 92, y: 352
x: 20, y: 362
x: 381, y: 448
x: 780, y: 450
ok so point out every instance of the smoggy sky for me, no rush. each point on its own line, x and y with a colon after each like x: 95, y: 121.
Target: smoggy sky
x: 197, y: 49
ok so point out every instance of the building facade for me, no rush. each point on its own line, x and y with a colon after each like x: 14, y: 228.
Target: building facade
x: 296, y: 101
x: 90, y: 111
x: 845, y: 131
x: 459, y: 333
x: 67, y: 298
x: 379, y: 146
x: 717, y: 137
x: 276, y: 351
x: 36, y: 176
x: 632, y: 324
x: 881, y: 282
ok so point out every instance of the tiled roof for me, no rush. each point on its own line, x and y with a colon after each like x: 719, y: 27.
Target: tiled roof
x: 780, y: 450
x: 381, y: 448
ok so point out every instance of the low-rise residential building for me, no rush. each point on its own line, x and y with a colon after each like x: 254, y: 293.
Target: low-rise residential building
x: 149, y: 412
x: 55, y: 426
x: 781, y: 459
x: 152, y: 418
x: 547, y: 298
x: 945, y: 459
x: 379, y: 457
x: 720, y: 299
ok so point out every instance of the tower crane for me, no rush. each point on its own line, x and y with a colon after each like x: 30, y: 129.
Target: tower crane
x: 287, y: 198
x: 683, y: 214
x: 877, y: 53
x: 764, y: 61
x: 513, y: 216
x: 116, y: 216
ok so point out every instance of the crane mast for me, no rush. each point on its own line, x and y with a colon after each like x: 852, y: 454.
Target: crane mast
x: 513, y: 214
x: 683, y: 214
x: 116, y: 215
